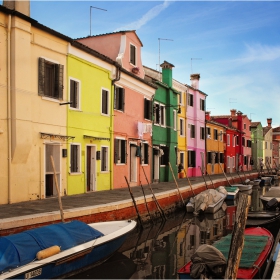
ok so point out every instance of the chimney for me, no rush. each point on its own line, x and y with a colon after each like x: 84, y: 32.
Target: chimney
x: 195, y: 80
x: 22, y: 7
x: 233, y: 112
x: 167, y: 73
x: 207, y: 115
x: 269, y: 121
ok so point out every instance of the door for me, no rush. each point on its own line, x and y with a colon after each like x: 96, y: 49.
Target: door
x: 231, y: 164
x: 213, y: 156
x: 91, y: 168
x: 156, y: 165
x: 54, y: 151
x: 133, y: 163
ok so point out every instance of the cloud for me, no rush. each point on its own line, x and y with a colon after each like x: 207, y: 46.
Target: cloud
x: 151, y: 14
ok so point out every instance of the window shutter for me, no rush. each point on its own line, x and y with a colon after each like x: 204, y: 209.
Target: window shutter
x: 116, y: 146
x: 123, y: 98
x: 41, y: 76
x: 125, y: 153
x: 59, y: 81
x: 116, y: 98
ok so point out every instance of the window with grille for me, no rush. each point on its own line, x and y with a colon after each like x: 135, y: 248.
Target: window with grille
x: 119, y: 98
x: 105, y: 102
x: 74, y: 94
x: 120, y: 147
x: 74, y: 158
x: 104, y: 159
x: 50, y: 79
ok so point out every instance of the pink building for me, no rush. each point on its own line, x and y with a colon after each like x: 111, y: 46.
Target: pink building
x: 196, y: 101
x: 131, y: 107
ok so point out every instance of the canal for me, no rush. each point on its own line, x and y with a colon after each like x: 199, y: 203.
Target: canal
x: 160, y: 249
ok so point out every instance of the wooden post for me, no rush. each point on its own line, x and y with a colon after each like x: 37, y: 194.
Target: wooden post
x: 225, y: 174
x: 237, y: 240
x: 57, y: 189
x: 189, y: 182
x: 176, y: 183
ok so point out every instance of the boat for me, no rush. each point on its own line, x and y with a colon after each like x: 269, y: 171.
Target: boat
x: 232, y: 192
x: 272, y: 193
x: 258, y: 243
x: 266, y: 219
x: 208, y: 201
x: 244, y: 187
x: 60, y: 250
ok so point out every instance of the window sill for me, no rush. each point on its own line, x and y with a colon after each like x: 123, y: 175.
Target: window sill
x: 75, y: 173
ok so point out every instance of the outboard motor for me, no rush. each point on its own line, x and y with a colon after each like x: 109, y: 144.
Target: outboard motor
x: 272, y: 204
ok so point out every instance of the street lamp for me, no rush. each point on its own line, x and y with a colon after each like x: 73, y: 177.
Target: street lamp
x: 91, y: 7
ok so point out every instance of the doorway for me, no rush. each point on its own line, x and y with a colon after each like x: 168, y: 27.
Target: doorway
x: 91, y: 168
x: 54, y: 151
x: 133, y: 163
x: 156, y: 165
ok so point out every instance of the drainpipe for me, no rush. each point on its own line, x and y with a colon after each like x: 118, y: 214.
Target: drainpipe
x: 118, y: 76
x: 9, y: 106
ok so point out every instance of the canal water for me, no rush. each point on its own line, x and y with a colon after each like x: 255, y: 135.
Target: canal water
x: 160, y: 249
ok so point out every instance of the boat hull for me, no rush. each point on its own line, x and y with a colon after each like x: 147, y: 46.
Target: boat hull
x: 243, y: 273
x: 78, y: 258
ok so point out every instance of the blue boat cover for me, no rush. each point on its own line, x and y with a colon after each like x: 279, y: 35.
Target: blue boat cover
x: 19, y: 249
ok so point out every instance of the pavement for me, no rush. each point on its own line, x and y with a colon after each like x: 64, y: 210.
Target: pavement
x: 103, y: 205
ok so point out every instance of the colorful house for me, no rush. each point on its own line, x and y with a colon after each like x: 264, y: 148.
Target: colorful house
x: 257, y: 143
x: 165, y: 106
x: 131, y: 108
x: 215, y: 146
x: 196, y: 101
x: 267, y: 144
x: 34, y: 132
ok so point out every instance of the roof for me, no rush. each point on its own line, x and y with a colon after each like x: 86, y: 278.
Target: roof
x: 112, y: 33
x: 276, y: 129
x: 255, y: 124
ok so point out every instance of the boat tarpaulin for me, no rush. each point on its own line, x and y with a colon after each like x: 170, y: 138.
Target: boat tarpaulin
x: 19, y: 249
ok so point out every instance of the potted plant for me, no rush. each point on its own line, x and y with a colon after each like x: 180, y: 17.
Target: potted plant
x: 135, y: 70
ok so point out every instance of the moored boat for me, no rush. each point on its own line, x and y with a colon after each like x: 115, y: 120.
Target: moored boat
x: 60, y: 249
x: 258, y: 243
x: 232, y: 192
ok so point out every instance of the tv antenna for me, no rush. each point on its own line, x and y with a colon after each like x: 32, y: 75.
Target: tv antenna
x: 193, y: 58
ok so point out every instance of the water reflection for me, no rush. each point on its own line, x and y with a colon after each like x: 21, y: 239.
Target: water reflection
x: 158, y: 251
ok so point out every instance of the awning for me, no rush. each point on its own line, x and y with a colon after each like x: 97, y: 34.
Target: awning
x: 53, y: 136
x: 96, y: 137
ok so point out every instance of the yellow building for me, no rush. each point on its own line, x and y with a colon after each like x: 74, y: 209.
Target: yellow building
x: 90, y: 121
x: 215, y: 147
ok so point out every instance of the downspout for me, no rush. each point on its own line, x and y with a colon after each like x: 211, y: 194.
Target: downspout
x: 118, y: 76
x: 9, y: 106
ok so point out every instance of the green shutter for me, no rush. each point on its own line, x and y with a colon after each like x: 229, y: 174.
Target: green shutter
x: 41, y: 76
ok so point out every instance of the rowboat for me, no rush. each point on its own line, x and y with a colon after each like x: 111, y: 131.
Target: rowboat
x: 232, y: 192
x: 61, y: 249
x: 208, y: 201
x: 258, y: 243
x: 265, y: 219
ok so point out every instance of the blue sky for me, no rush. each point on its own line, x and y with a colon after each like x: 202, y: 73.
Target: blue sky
x: 234, y: 45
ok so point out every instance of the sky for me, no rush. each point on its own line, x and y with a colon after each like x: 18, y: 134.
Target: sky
x: 233, y: 45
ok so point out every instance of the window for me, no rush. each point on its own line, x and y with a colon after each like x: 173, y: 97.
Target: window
x: 244, y: 125
x: 159, y: 114
x: 74, y: 158
x: 221, y: 157
x: 120, y: 151
x: 191, y: 159
x: 215, y: 134
x: 192, y: 132
x: 104, y: 159
x: 202, y: 133
x: 164, y: 158
x: 182, y: 127
x: 190, y: 99
x: 132, y: 55
x: 145, y: 153
x: 237, y: 140
x: 208, y: 131
x: 221, y: 135
x: 182, y: 158
x: 217, y: 160
x: 245, y: 160
x: 265, y: 145
x: 233, y: 140
x: 105, y: 102
x: 209, y: 157
x: 50, y: 79
x: 119, y: 98
x: 74, y: 94
x: 243, y: 141
x: 147, y: 109
x: 228, y: 140
x: 202, y: 104
x: 249, y: 143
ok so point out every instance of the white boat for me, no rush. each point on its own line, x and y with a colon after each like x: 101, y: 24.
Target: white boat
x: 232, y: 192
x: 60, y: 250
x: 243, y: 187
x: 208, y: 201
